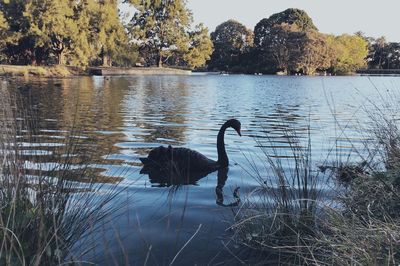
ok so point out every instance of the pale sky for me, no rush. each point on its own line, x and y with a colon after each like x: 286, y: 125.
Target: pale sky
x: 374, y: 17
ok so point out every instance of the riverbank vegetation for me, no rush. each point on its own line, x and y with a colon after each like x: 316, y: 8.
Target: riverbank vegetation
x: 94, y: 33
x: 337, y: 213
x: 287, y: 42
x: 83, y: 33
x: 41, y: 71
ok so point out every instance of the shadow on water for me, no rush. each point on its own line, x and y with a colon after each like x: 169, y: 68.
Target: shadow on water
x: 176, y: 177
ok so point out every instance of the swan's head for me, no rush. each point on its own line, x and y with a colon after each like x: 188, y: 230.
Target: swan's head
x: 235, y: 124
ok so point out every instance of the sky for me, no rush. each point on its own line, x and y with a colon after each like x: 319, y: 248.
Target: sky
x: 374, y: 17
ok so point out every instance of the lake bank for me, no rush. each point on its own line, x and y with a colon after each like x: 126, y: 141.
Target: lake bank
x: 379, y: 72
x: 122, y: 71
x: 41, y: 71
x: 69, y: 71
x: 57, y: 71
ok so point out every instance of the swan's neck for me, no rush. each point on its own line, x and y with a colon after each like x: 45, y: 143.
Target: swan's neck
x: 222, y: 157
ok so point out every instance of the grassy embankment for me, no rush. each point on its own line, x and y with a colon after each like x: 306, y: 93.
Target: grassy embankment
x: 335, y: 214
x: 68, y: 71
x: 40, y: 71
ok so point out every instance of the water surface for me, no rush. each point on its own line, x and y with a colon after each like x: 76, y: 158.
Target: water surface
x: 116, y: 120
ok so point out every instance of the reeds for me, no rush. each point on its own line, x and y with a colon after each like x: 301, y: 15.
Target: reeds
x: 282, y: 214
x: 290, y: 218
x: 44, y: 212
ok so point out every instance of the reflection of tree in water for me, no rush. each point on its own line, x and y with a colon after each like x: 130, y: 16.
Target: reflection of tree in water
x: 81, y: 112
x: 159, y: 105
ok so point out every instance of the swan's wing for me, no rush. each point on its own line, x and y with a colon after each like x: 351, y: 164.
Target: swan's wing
x: 180, y: 159
x: 193, y: 160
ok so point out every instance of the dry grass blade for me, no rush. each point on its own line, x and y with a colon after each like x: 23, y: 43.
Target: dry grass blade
x: 46, y: 211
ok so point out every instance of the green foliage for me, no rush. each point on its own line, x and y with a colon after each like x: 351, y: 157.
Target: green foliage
x: 83, y: 32
x: 276, y: 49
x: 51, y: 26
x: 83, y: 49
x: 282, y: 38
x: 383, y: 54
x: 308, y: 52
x: 231, y: 41
x: 163, y: 30
x: 69, y: 32
x: 4, y: 33
x: 200, y: 47
x: 126, y: 55
x: 110, y: 33
x: 160, y: 26
x: 288, y: 42
x: 290, y: 16
x: 350, y: 53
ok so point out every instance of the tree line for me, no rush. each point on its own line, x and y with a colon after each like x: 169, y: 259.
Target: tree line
x: 162, y: 32
x: 382, y: 54
x: 93, y: 32
x: 286, y: 42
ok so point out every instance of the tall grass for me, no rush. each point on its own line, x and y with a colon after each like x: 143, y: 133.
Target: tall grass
x: 45, y: 212
x: 281, y: 215
x: 288, y: 219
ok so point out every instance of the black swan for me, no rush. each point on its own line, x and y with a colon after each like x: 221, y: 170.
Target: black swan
x: 187, y: 162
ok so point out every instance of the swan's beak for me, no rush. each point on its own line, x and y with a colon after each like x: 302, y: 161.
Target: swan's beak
x: 239, y: 133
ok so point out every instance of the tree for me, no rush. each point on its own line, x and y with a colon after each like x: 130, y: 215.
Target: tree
x: 83, y: 48
x: 277, y: 46
x: 51, y: 26
x: 110, y: 32
x: 309, y: 51
x: 384, y: 55
x: 380, y: 53
x: 126, y: 55
x: 5, y: 36
x: 350, y: 53
x: 200, y: 47
x: 275, y: 37
x: 291, y: 16
x: 231, y: 41
x: 21, y: 49
x: 162, y: 28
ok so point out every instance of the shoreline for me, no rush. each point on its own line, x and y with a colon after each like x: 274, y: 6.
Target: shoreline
x: 133, y: 71
x: 57, y: 71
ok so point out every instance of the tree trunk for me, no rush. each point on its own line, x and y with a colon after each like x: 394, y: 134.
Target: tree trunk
x: 160, y: 62
x: 32, y: 57
x: 106, y: 60
x: 61, y: 58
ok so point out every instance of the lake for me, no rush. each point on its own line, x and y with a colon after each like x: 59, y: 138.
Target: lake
x: 119, y: 119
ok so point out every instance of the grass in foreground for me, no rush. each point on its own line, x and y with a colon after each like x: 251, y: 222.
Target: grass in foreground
x: 44, y: 213
x: 292, y: 223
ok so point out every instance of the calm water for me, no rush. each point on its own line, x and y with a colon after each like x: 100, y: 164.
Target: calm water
x: 123, y: 118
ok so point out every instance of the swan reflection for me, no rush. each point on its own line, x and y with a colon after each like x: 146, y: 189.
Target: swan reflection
x: 175, y: 177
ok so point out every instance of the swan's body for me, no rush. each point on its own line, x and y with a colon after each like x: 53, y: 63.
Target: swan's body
x: 187, y: 162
